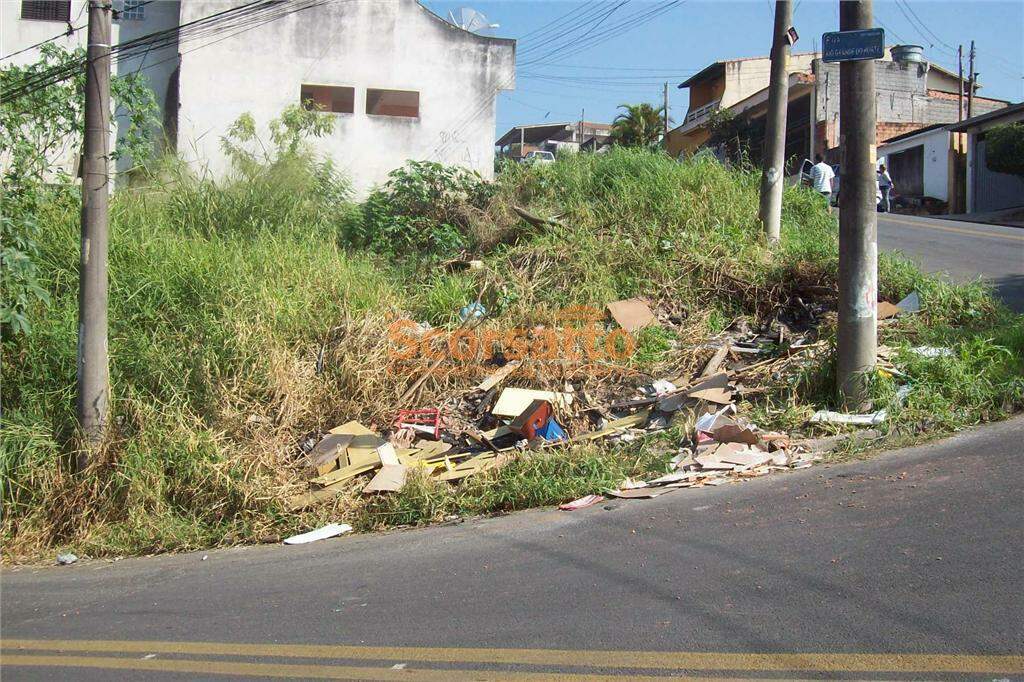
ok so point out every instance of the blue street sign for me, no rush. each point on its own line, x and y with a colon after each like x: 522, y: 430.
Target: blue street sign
x: 852, y: 46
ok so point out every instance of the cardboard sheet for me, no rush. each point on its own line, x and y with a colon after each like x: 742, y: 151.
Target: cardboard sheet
x: 632, y: 314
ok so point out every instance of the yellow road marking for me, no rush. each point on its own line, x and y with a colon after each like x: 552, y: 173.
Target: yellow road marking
x: 653, y: 660
x: 958, y: 230
x: 308, y: 671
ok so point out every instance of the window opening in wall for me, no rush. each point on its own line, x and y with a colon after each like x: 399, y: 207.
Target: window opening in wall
x: 332, y: 98
x: 46, y: 10
x: 393, y: 103
x: 132, y: 10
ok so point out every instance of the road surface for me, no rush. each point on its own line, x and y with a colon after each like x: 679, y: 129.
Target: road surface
x: 966, y: 251
x: 907, y: 566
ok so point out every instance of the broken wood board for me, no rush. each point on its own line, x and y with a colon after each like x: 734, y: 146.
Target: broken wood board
x: 614, y: 426
x: 638, y: 493
x: 352, y: 428
x: 632, y: 314
x: 344, y: 474
x: 308, y: 499
x: 325, y: 454
x: 513, y: 401
x: 498, y: 376
x: 390, y: 478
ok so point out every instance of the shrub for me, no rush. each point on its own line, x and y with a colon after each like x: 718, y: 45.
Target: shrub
x: 1005, y: 149
x: 425, y: 207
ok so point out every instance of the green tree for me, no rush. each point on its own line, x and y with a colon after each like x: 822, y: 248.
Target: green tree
x: 37, y: 131
x: 639, y: 125
x: 1004, y: 149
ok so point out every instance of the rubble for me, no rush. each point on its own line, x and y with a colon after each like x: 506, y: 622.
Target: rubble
x: 483, y: 427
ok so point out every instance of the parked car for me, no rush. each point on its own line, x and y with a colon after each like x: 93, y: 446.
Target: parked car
x: 805, y: 179
x: 539, y: 157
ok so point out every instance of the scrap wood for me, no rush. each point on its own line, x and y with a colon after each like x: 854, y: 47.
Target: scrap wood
x: 308, y: 499
x: 390, y: 478
x: 614, y: 426
x: 499, y: 376
x: 325, y: 454
x: 716, y: 360
x: 638, y: 493
x: 513, y: 401
x: 535, y: 220
x: 632, y: 314
x: 352, y: 428
x: 343, y: 474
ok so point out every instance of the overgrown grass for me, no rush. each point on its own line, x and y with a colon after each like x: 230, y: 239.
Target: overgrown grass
x: 242, y: 321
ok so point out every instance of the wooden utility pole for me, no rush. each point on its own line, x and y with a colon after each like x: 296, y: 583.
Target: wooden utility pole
x: 773, y: 169
x: 972, y: 80
x: 858, y: 241
x: 960, y: 94
x: 93, y: 404
x: 664, y: 132
x: 815, y: 75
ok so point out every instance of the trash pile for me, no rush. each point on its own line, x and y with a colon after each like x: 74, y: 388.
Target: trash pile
x: 487, y: 425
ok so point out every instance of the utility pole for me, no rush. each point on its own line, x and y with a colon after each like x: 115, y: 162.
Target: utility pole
x: 972, y: 80
x: 858, y: 241
x: 664, y: 132
x: 583, y: 115
x: 815, y: 74
x: 773, y: 164
x: 93, y: 405
x: 960, y: 94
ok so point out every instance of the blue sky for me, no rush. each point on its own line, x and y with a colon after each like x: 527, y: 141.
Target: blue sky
x: 631, y: 65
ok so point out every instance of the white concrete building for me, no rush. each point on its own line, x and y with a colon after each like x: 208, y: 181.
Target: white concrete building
x: 400, y: 82
x: 921, y: 162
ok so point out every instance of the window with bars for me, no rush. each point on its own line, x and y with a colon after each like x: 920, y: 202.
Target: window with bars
x: 132, y: 10
x: 46, y: 10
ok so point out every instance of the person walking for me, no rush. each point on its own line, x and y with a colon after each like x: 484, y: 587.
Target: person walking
x: 821, y: 179
x: 885, y: 186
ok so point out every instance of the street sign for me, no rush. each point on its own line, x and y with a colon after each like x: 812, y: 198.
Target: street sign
x: 853, y: 46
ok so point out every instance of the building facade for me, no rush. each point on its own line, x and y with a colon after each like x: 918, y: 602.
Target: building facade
x: 400, y: 82
x: 908, y: 96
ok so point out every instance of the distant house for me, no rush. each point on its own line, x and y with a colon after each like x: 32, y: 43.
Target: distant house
x: 910, y: 94
x: 926, y: 166
x: 988, y: 190
x: 400, y: 82
x: 554, y: 137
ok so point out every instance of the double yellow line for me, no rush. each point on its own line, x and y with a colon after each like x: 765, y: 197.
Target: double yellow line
x: 146, y: 656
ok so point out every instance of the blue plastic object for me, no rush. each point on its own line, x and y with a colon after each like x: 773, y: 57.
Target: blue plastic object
x: 551, y: 431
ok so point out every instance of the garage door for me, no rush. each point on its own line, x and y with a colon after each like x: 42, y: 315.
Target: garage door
x: 994, y: 191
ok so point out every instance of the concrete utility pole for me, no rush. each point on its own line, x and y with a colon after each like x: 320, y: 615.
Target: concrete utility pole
x: 858, y: 241
x: 773, y: 164
x: 960, y: 70
x: 664, y: 132
x: 973, y: 78
x: 93, y: 406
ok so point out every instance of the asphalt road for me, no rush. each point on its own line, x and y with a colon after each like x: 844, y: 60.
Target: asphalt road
x: 906, y: 566
x: 965, y: 251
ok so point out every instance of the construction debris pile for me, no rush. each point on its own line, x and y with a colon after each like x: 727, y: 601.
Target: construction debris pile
x: 487, y: 425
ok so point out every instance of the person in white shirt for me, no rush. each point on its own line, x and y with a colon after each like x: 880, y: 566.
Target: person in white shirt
x: 821, y: 179
x: 885, y: 186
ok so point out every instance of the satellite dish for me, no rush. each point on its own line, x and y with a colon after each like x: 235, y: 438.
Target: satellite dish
x: 469, y: 19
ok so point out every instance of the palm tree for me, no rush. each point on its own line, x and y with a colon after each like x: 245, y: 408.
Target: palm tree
x: 640, y: 125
